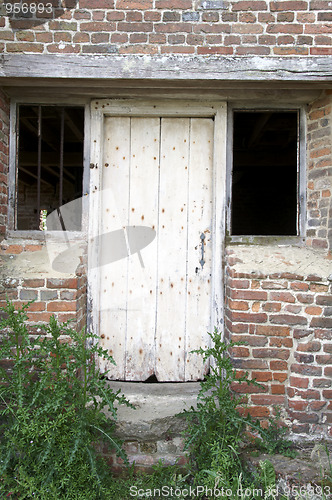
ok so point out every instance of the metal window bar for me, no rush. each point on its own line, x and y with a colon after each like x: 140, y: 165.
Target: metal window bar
x: 17, y: 156
x: 62, y: 132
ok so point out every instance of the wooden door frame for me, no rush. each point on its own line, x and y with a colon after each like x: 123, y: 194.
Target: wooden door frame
x: 102, y: 108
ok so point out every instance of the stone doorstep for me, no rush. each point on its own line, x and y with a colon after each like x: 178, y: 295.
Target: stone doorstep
x: 152, y: 431
x: 156, y: 406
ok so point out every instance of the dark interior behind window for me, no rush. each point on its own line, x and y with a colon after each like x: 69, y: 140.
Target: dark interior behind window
x: 50, y: 162
x: 265, y: 178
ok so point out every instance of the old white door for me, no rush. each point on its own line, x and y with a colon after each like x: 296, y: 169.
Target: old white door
x: 157, y: 235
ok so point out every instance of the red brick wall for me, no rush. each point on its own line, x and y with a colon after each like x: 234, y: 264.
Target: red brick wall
x: 235, y: 27
x: 319, y: 152
x: 4, y: 159
x: 63, y: 297
x: 285, y: 319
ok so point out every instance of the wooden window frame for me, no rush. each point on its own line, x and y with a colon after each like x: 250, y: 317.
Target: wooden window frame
x: 35, y: 234
x: 301, y: 169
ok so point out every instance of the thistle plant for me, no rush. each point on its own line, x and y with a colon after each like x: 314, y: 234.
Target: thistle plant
x: 52, y: 411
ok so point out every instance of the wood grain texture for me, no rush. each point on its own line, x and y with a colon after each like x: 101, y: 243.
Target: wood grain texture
x: 159, y: 169
x: 315, y: 69
x: 142, y: 274
x: 172, y: 249
x: 113, y: 265
x: 200, y: 216
x: 264, y: 94
x: 155, y: 307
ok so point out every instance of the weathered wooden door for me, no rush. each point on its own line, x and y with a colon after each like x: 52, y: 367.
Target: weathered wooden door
x: 156, y: 245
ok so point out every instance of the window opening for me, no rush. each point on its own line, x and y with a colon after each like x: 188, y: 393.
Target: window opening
x: 49, y: 163
x: 265, y: 173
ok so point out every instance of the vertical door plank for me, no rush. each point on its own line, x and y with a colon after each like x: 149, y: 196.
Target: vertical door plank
x: 113, y: 247
x: 172, y: 249
x: 200, y: 209
x: 143, y: 220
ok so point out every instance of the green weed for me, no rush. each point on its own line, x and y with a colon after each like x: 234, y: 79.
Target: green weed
x: 52, y: 402
x: 52, y: 399
x: 273, y: 438
x: 215, y: 427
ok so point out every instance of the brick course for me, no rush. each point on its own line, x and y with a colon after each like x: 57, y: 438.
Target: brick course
x: 65, y: 298
x: 294, y: 352
x: 297, y: 28
x: 145, y: 454
x: 319, y: 153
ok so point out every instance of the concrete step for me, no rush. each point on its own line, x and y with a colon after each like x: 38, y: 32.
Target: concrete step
x: 153, y: 431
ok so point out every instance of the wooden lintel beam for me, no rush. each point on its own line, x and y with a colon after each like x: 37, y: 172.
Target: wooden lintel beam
x: 74, y: 96
x: 205, y: 68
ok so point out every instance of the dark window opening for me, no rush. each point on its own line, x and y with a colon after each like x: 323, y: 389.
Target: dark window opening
x: 265, y: 173
x: 50, y: 163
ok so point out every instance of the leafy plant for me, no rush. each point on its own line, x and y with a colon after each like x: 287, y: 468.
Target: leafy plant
x: 215, y: 427
x: 273, y: 438
x: 329, y: 472
x: 162, y: 481
x: 268, y: 476
x: 321, y: 455
x: 52, y: 411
